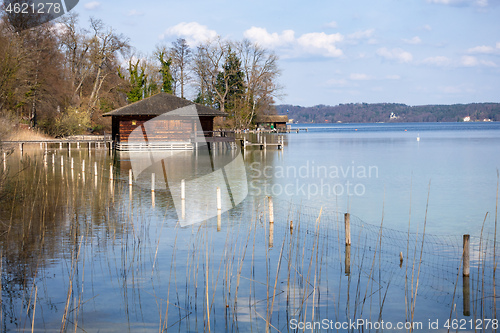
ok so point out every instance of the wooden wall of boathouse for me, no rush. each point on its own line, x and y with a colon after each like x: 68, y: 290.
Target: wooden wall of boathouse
x: 172, y: 129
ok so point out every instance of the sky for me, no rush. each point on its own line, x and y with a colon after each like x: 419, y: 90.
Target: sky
x: 338, y: 51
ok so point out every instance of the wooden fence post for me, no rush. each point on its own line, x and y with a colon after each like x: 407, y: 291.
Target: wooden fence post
x: 347, y: 222
x: 466, y: 295
x: 271, y: 209
x: 466, y: 260
x: 183, y: 199
x: 153, y: 182
x: 219, y: 200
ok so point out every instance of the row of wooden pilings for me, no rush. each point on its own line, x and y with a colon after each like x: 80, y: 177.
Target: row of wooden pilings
x: 97, y: 144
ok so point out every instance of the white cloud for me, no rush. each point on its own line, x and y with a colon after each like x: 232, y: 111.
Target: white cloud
x: 331, y: 25
x: 321, y: 43
x: 92, y: 5
x: 393, y: 77
x: 484, y: 49
x: 395, y: 54
x: 59, y: 28
x: 361, y: 34
x: 437, y: 61
x: 427, y: 27
x: 488, y: 63
x: 481, y: 49
x: 193, y: 32
x: 312, y: 43
x: 415, y: 40
x: 470, y: 61
x: 135, y: 12
x: 359, y: 77
x: 266, y: 39
x: 480, y: 3
x: 337, y: 82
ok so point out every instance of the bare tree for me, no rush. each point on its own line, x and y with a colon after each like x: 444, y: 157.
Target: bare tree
x: 76, y: 45
x: 104, y: 46
x: 261, y: 75
x: 181, y: 57
x: 208, y: 67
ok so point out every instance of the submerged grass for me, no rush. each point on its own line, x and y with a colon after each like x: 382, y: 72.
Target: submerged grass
x: 102, y: 240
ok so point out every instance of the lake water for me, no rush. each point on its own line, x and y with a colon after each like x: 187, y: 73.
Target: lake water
x: 82, y: 252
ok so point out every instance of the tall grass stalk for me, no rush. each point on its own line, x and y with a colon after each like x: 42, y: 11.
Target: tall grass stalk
x: 414, y: 296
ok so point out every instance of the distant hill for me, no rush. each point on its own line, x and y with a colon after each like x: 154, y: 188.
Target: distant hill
x: 390, y: 112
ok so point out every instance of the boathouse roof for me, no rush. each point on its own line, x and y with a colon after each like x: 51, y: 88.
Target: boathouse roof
x: 159, y: 104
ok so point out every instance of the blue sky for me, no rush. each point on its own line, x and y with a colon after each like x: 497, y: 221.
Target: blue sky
x: 339, y: 51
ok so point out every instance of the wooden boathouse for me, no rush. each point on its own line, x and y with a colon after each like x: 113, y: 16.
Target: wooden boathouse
x: 163, y: 121
x: 272, y: 122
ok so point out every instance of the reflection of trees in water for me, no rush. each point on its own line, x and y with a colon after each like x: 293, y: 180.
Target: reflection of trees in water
x: 45, y: 215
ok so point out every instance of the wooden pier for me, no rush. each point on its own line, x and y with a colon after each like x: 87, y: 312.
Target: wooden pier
x: 262, y: 144
x: 262, y: 131
x: 96, y: 143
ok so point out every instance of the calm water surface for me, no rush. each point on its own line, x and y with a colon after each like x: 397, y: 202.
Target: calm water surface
x: 88, y: 254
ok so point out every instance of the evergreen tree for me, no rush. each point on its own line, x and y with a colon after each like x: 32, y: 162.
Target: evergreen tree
x: 166, y: 74
x: 137, y: 82
x: 231, y: 80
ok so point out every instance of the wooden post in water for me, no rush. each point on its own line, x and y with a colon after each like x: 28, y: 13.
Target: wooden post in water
x: 183, y: 199
x: 183, y: 189
x: 466, y: 294
x: 219, y: 199
x: 219, y: 208
x: 271, y: 209
x: 466, y: 259
x: 83, y: 166
x: 60, y: 145
x: 271, y: 221
x: 347, y: 227
x: 53, y: 159
x: 95, y: 169
x: 111, y: 172
x: 129, y: 177
x: 21, y: 147
x: 347, y: 222
x: 78, y: 145
x: 152, y: 182
x: 347, y: 260
x: 72, y: 163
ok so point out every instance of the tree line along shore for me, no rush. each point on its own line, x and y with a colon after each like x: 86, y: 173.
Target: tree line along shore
x: 391, y: 112
x: 61, y: 76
